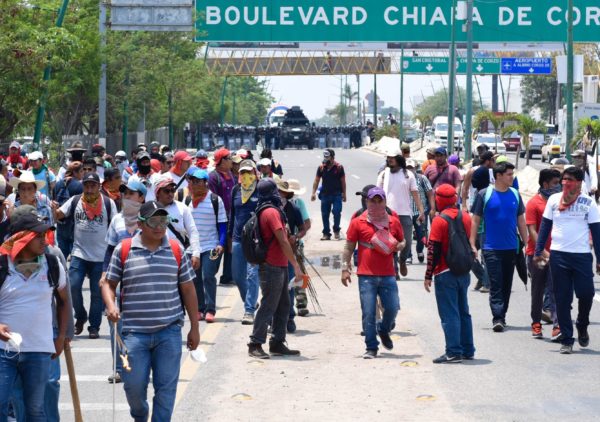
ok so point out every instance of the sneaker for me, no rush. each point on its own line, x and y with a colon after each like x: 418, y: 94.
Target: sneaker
x: 256, y: 351
x: 421, y: 257
x: 337, y: 236
x: 498, y: 326
x: 79, y: 326
x: 583, y: 338
x: 448, y: 359
x: 472, y: 357
x: 408, y: 261
x: 93, y: 333
x: 386, y: 340
x: 566, y: 349
x: 403, y: 269
x: 484, y: 290
x: 291, y: 326
x: 209, y: 317
x: 546, y: 316
x: 248, y: 319
x: 303, y: 312
x: 114, y: 379
x: 200, y: 316
x: 280, y: 349
x: 370, y: 354
x: 536, y: 330
x: 478, y: 285
x: 398, y: 277
x: 556, y: 335
x: 326, y: 237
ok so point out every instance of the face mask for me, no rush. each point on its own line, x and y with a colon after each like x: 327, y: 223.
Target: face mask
x: 569, y: 186
x: 144, y: 169
x: 578, y: 162
x: 131, y: 207
x: 247, y: 180
x: 550, y: 191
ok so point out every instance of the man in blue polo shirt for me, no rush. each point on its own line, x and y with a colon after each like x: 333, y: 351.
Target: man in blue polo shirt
x: 501, y: 209
x: 333, y: 192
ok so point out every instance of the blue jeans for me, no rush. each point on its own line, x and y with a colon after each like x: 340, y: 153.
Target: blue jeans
x: 369, y: 288
x: 453, y: 308
x: 33, y: 369
x: 245, y: 276
x: 291, y: 274
x: 161, y: 353
x: 206, y: 283
x: 65, y: 242
x: 77, y: 271
x: 329, y: 204
x: 572, y: 272
x: 500, y: 266
x: 227, y: 275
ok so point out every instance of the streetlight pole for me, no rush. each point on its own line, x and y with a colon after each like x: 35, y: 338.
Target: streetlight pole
x: 451, y: 80
x: 102, y: 86
x: 401, y: 119
x: 39, y: 121
x: 469, y: 110
x: 223, y: 101
x: 569, y: 79
x: 375, y: 99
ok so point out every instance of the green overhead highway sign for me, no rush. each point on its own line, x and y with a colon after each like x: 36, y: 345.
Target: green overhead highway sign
x: 392, y: 21
x: 439, y: 65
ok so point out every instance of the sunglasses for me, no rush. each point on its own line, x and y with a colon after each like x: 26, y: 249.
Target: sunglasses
x: 157, y: 222
x: 195, y: 181
x: 169, y: 191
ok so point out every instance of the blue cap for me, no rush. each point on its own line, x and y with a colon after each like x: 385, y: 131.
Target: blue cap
x: 441, y: 150
x: 135, y: 186
x: 200, y: 174
x: 191, y: 170
x: 201, y: 154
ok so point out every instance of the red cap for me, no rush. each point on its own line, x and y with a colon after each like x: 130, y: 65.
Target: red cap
x: 220, y: 154
x: 182, y: 156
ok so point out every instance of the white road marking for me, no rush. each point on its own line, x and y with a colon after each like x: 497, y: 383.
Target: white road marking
x: 597, y: 297
x: 356, y: 177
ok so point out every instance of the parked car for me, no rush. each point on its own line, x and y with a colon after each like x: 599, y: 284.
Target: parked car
x: 536, y: 142
x: 552, y: 149
x: 512, y: 141
x: 493, y: 142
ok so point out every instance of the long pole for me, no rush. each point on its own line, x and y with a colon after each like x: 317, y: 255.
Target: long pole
x: 375, y: 99
x: 39, y: 121
x: 401, y: 122
x: 170, y: 101
x: 125, y: 113
x: 358, y: 98
x: 223, y: 91
x: 478, y: 92
x: 73, y: 382
x: 451, y: 80
x: 102, y: 85
x: 469, y: 109
x: 569, y: 79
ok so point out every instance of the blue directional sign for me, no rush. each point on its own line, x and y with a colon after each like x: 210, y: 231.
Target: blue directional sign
x: 527, y: 66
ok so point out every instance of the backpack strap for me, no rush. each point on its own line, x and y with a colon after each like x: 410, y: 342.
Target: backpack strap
x: 125, y: 248
x: 177, y: 253
x: 53, y: 270
x: 187, y: 200
x: 3, y: 268
x: 73, y: 206
x: 214, y: 199
x: 108, y: 208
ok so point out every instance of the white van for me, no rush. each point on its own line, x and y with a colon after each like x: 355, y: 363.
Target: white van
x: 440, y: 132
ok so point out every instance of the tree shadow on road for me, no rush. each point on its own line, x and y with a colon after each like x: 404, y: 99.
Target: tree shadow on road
x: 477, y: 362
x: 302, y: 333
x: 393, y: 356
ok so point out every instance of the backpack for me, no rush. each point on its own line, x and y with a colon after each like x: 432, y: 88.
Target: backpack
x: 459, y: 257
x: 185, y: 241
x: 253, y: 245
x: 53, y: 270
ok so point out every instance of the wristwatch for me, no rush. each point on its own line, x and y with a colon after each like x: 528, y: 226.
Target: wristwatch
x: 346, y: 267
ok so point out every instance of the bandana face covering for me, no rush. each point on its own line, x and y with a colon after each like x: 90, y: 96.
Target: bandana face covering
x: 248, y: 184
x: 130, y: 213
x: 377, y: 215
x: 546, y: 193
x: 570, y: 193
x: 92, y: 205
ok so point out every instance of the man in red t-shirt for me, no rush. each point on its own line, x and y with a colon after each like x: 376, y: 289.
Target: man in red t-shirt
x: 273, y: 275
x: 450, y: 289
x: 541, y: 279
x: 379, y: 236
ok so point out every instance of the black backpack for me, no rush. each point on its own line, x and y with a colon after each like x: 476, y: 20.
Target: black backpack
x: 460, y: 256
x: 253, y: 244
x: 53, y: 270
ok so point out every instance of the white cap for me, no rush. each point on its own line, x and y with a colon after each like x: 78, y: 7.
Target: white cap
x: 121, y: 154
x: 35, y: 155
x: 393, y: 152
x: 264, y: 162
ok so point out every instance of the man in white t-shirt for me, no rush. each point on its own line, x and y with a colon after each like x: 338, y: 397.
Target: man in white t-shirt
x: 91, y: 214
x: 212, y: 230
x: 399, y: 186
x: 26, y: 334
x: 570, y: 217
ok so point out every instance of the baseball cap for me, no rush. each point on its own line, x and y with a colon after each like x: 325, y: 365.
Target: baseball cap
x: 247, y: 165
x: 454, y: 159
x: 150, y: 209
x: 135, y: 186
x: 405, y: 147
x: 90, y: 177
x: 35, y: 155
x: 201, y: 154
x: 501, y: 159
x: 365, y: 191
x: 441, y: 150
x: 15, y: 144
x: 26, y: 217
x: 182, y: 156
x: 373, y: 192
x: 394, y: 152
x: 236, y: 159
x: 430, y: 150
x: 264, y: 162
x: 411, y: 163
x: 162, y: 182
x: 220, y: 154
x: 143, y: 155
x: 121, y: 154
x: 199, y: 174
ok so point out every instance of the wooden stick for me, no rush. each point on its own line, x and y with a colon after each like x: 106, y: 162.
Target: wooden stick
x: 73, y: 383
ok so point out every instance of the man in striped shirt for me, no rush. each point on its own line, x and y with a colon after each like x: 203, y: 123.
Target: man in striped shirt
x: 154, y: 286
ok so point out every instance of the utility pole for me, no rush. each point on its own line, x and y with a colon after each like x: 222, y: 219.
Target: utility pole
x: 375, y: 99
x: 223, y: 91
x: 102, y: 86
x: 170, y: 104
x: 494, y: 93
x: 39, y: 121
x: 469, y: 109
x: 451, y: 80
x: 401, y: 119
x: 358, y: 98
x: 125, y: 114
x: 570, y: 80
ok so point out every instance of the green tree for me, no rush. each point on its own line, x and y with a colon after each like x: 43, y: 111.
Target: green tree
x: 497, y: 121
x: 437, y: 104
x: 525, y: 126
x: 588, y: 134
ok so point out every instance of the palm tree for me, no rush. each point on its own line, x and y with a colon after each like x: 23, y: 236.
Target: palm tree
x: 525, y: 126
x: 348, y: 96
x: 495, y: 119
x: 588, y: 132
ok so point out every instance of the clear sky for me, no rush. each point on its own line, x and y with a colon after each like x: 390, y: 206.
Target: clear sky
x: 317, y: 93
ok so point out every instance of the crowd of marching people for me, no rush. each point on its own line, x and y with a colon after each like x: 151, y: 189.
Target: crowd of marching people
x: 151, y: 230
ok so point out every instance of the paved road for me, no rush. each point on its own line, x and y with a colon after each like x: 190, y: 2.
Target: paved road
x: 513, y: 378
